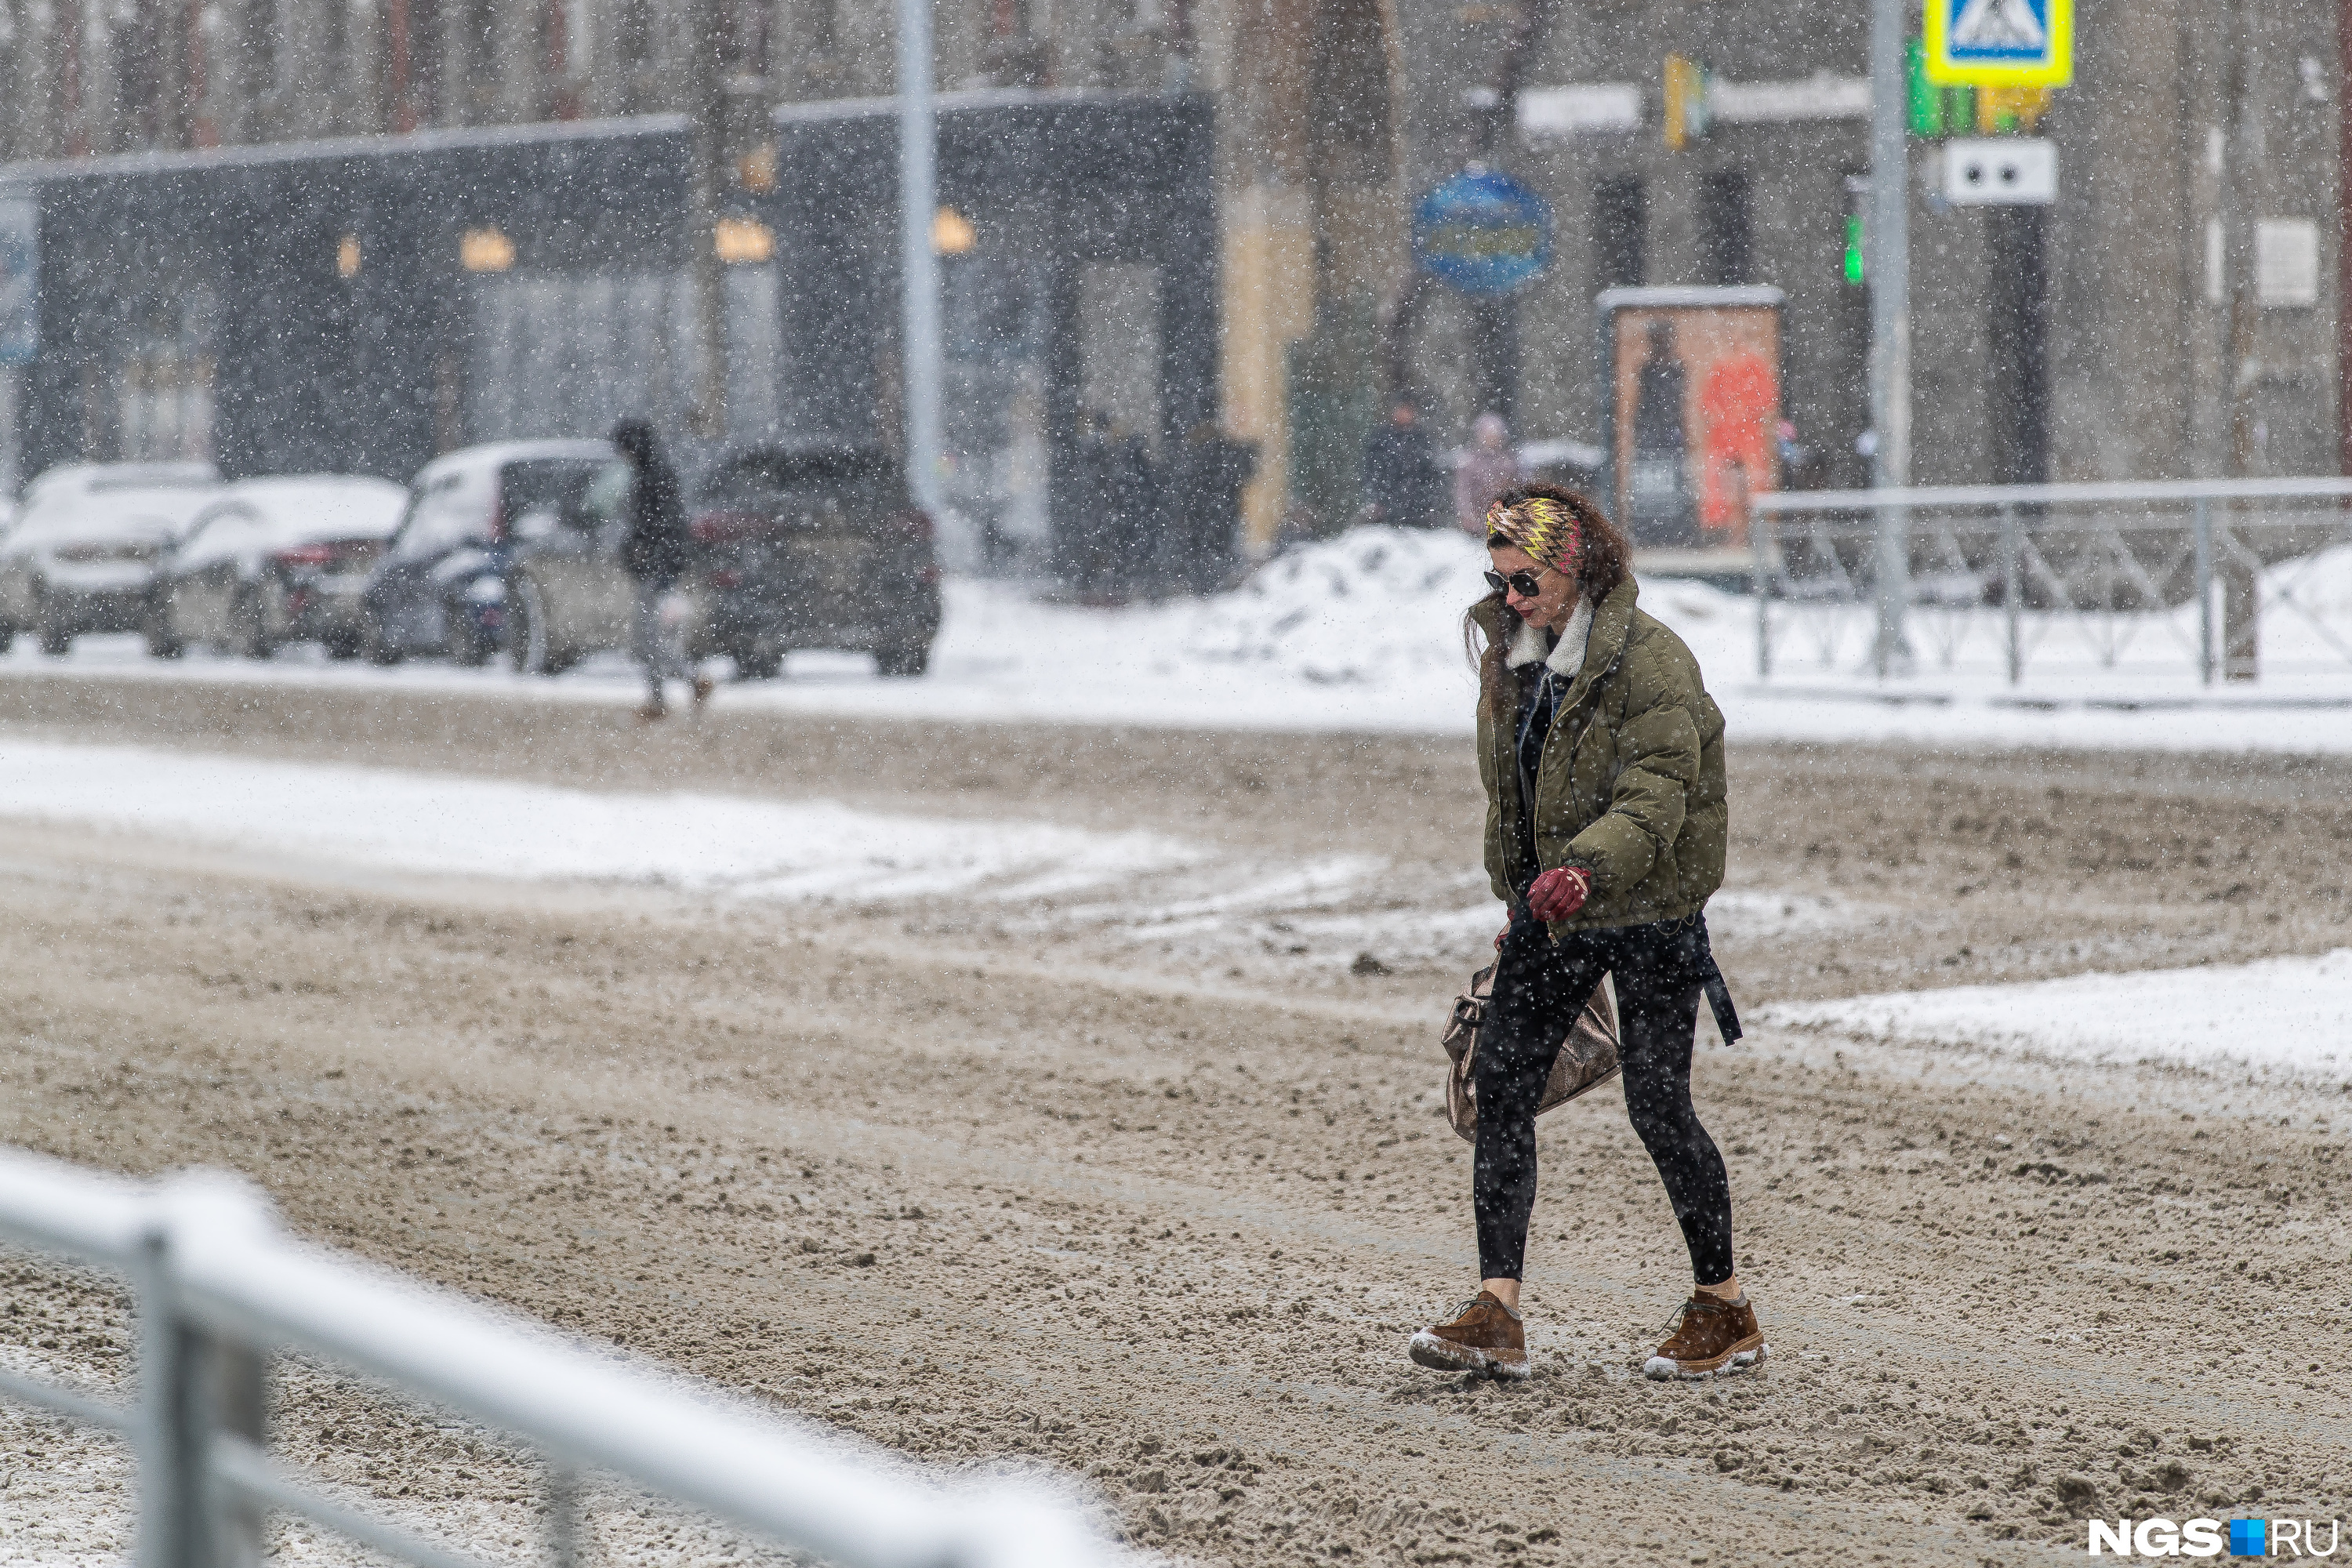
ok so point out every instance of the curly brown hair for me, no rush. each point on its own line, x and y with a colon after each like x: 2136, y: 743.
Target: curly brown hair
x: 1603, y: 556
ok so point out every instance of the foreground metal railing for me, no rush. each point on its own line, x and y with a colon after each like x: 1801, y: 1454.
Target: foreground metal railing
x: 2198, y: 567
x: 219, y: 1288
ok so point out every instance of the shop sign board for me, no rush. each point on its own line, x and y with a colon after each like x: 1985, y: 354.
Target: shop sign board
x: 1690, y: 384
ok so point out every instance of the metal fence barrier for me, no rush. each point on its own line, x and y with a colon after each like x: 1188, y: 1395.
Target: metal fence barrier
x: 218, y: 1287
x: 2202, y: 566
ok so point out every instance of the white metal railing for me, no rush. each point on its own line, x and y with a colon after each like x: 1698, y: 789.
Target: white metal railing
x: 218, y: 1287
x: 2202, y: 565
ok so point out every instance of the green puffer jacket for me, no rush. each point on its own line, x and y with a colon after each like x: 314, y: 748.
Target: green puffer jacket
x: 1631, y: 779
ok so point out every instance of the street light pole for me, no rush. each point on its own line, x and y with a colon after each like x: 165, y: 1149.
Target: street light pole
x: 707, y: 274
x: 1887, y: 235
x: 919, y: 265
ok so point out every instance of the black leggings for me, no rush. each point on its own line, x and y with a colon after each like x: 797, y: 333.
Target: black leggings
x: 1539, y: 989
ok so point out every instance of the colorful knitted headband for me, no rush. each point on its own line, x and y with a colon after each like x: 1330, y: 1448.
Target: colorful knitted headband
x: 1546, y: 530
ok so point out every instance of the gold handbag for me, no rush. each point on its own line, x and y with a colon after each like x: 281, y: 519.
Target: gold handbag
x: 1587, y: 1058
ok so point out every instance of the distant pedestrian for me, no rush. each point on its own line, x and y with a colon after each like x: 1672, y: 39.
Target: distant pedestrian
x: 1487, y: 469
x: 656, y: 553
x: 1606, y: 823
x: 1404, y: 487
x: 1209, y: 471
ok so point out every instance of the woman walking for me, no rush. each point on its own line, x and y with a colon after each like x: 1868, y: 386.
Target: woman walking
x: 1602, y: 758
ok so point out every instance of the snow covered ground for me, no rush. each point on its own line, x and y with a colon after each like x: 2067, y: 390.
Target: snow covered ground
x: 470, y: 827
x: 1187, y: 900
x: 2282, y: 1019
x: 1364, y: 632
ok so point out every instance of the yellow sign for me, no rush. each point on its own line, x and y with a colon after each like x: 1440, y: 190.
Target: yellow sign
x: 1687, y: 101
x: 2010, y: 110
x: 2000, y: 43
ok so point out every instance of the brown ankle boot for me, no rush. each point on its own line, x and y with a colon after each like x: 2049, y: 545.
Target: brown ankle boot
x: 1484, y: 1337
x: 1715, y: 1336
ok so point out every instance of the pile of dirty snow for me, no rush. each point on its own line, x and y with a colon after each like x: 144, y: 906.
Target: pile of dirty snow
x: 1359, y: 609
x: 2277, y: 1018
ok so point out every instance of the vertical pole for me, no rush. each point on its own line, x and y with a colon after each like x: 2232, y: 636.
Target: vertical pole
x: 1888, y: 267
x: 2240, y: 637
x: 703, y: 266
x: 1759, y: 531
x: 191, y: 1384
x: 919, y: 265
x: 169, y: 1482
x: 2012, y: 589
x: 2204, y: 540
x: 565, y: 1536
x: 236, y: 1400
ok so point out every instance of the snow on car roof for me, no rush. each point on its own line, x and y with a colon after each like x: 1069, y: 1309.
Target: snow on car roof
x: 91, y: 478
x: 304, y: 508
x: 114, y: 514
x: 492, y: 454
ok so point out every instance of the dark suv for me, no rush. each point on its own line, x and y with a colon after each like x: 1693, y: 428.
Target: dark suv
x: 813, y: 547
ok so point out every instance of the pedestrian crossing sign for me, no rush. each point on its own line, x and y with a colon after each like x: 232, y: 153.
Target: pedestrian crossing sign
x: 2000, y: 43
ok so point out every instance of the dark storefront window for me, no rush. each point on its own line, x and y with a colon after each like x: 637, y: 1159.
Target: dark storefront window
x: 1726, y: 251
x: 567, y: 353
x: 1620, y: 211
x: 164, y: 384
x: 998, y: 316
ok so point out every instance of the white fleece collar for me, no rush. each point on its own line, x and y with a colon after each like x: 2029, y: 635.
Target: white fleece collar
x: 1564, y: 657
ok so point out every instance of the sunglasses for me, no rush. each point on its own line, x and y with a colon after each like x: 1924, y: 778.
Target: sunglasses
x: 1523, y: 583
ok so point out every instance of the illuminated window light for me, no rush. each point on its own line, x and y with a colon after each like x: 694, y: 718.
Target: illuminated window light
x: 484, y: 250
x: 951, y: 233
x: 756, y: 170
x: 347, y: 257
x: 743, y: 242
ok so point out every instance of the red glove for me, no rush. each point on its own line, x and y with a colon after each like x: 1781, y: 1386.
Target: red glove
x: 1559, y: 892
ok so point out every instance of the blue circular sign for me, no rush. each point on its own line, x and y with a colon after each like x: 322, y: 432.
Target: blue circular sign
x: 1483, y: 233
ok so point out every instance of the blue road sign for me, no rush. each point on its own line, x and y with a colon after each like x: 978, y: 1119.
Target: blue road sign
x: 1483, y: 233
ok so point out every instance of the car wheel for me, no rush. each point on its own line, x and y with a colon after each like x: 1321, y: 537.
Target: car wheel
x: 346, y: 645
x: 253, y: 639
x: 906, y: 659
x: 466, y: 645
x: 155, y: 626
x: 527, y: 629
x: 759, y: 664
x: 49, y: 618
x: 379, y: 647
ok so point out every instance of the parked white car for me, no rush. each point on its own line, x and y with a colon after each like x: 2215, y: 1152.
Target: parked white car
x: 83, y: 557
x: 274, y: 561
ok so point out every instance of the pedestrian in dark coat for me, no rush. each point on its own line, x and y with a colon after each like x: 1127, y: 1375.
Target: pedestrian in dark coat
x: 1405, y: 484
x: 656, y: 552
x: 1606, y: 822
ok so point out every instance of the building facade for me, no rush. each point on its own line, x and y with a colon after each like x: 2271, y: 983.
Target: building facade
x: 2177, y: 311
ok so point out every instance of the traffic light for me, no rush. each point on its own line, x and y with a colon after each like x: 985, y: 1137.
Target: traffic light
x: 1937, y: 111
x: 1688, y: 102
x: 1857, y: 192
